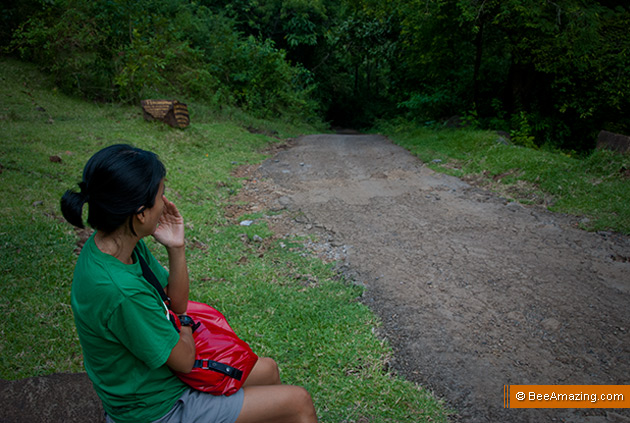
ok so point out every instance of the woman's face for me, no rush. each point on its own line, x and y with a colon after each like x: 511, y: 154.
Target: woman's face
x: 153, y: 214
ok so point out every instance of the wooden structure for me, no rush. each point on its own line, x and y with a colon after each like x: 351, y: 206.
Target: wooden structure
x: 171, y: 112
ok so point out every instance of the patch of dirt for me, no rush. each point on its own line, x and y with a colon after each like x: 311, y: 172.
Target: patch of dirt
x: 83, y: 234
x: 523, y: 191
x: 474, y: 292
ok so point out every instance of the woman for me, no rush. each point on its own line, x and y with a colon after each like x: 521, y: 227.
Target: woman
x: 129, y: 345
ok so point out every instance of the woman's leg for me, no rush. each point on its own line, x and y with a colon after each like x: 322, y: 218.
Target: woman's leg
x: 277, y: 404
x: 265, y: 372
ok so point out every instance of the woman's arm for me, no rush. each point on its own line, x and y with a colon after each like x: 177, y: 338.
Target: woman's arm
x: 178, y: 284
x: 182, y: 356
x: 170, y: 233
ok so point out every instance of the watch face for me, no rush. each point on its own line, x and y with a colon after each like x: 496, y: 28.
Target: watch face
x: 186, y: 321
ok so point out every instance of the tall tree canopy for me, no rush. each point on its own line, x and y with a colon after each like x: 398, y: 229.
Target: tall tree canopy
x: 556, y: 71
x: 563, y: 65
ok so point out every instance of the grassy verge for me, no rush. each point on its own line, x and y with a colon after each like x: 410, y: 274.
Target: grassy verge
x: 287, y: 304
x: 596, y: 187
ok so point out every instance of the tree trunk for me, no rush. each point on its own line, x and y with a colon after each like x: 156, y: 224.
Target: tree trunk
x: 478, y: 57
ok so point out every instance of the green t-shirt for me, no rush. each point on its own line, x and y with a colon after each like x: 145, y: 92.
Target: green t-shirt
x: 125, y: 334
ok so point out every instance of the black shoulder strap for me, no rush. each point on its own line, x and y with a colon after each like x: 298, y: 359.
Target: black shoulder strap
x: 150, y: 277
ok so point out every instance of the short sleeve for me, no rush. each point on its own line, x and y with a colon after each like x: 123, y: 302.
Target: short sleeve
x: 141, y: 324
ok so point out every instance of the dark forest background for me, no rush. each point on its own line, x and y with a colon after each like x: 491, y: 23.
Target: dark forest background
x: 549, y: 73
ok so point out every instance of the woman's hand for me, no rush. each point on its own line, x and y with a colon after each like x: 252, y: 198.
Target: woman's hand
x: 170, y: 231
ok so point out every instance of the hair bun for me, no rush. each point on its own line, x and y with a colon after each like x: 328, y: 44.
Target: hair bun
x: 72, y: 206
x: 85, y: 197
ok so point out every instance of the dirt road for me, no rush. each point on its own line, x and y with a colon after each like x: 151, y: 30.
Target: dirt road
x: 474, y: 292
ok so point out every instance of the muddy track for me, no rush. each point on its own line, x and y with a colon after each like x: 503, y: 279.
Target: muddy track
x: 474, y: 292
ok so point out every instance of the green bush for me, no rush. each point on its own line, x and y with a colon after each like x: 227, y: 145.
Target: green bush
x: 70, y: 44
x: 129, y: 50
x: 154, y: 62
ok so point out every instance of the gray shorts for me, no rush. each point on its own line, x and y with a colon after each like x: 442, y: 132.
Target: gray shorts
x: 199, y: 407
x: 195, y: 406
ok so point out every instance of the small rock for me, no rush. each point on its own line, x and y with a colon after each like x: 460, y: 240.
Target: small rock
x: 551, y: 324
x: 513, y: 206
x: 246, y: 222
x: 284, y: 201
x: 256, y: 238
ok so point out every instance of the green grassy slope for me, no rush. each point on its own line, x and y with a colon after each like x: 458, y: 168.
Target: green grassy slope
x: 319, y: 332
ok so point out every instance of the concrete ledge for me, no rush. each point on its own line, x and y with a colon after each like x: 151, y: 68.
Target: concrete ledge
x: 60, y: 397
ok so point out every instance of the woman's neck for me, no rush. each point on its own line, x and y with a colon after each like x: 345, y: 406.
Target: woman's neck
x: 117, y: 244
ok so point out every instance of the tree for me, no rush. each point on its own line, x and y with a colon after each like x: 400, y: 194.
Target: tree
x: 563, y: 63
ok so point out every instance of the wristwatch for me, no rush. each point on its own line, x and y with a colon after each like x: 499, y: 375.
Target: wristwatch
x: 186, y: 320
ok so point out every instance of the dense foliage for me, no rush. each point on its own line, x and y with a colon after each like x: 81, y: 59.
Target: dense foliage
x: 551, y: 71
x: 123, y: 50
x: 548, y: 72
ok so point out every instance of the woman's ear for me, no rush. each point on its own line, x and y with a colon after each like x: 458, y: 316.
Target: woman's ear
x: 140, y: 216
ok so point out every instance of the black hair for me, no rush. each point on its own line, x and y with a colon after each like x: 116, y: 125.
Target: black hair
x: 118, y: 182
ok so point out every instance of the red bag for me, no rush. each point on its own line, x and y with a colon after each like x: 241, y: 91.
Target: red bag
x: 223, y: 360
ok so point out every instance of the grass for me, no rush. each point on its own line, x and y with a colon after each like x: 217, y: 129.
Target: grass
x: 278, y: 297
x: 596, y: 187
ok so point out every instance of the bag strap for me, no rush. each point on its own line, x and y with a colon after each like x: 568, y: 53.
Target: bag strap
x: 152, y: 279
x: 230, y: 371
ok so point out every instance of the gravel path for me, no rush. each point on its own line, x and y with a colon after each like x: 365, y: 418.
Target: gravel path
x: 474, y: 292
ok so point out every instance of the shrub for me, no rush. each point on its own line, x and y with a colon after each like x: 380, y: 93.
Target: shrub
x: 129, y: 50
